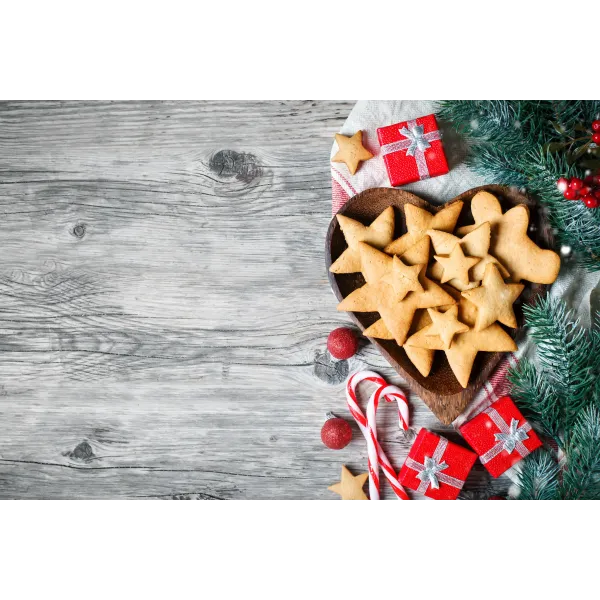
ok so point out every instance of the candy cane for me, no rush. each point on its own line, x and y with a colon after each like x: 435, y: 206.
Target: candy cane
x: 368, y: 427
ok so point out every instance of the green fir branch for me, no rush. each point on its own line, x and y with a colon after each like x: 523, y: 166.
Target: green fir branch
x: 510, y: 145
x: 581, y: 476
x: 538, y: 477
x: 560, y: 393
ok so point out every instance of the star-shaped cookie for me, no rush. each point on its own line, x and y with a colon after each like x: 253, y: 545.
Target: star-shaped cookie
x: 380, y: 296
x: 510, y: 243
x: 476, y: 244
x: 403, y: 278
x: 351, y: 151
x: 378, y: 234
x: 446, y: 325
x: 456, y: 265
x: 494, y: 299
x: 398, y: 315
x: 463, y: 350
x: 350, y: 487
x: 377, y: 269
x: 418, y: 221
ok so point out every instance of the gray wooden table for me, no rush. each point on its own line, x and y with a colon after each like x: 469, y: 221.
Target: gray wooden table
x: 164, y: 304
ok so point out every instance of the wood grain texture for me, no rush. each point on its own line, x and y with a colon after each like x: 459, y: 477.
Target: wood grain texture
x: 440, y: 390
x: 164, y: 304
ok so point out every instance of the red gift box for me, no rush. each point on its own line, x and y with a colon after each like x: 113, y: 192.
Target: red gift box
x: 436, y: 467
x: 500, y: 436
x: 412, y: 150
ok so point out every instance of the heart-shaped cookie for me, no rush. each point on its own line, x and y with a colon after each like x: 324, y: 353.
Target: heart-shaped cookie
x: 440, y: 391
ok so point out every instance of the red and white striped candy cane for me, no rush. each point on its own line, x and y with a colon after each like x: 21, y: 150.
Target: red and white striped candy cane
x: 368, y: 427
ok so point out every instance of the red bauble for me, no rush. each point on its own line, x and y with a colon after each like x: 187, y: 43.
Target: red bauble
x: 576, y: 183
x: 570, y: 194
x: 591, y: 202
x: 596, y: 194
x: 595, y: 125
x: 336, y: 433
x: 342, y: 343
x: 585, y: 190
x: 596, y: 138
x: 588, y: 180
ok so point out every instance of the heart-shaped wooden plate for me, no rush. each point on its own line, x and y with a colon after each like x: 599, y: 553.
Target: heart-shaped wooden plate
x: 440, y: 391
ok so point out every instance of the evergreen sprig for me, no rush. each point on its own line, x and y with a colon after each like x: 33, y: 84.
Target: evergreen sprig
x: 560, y: 393
x: 512, y: 143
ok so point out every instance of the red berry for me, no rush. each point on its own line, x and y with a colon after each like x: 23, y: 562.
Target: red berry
x: 570, y: 194
x: 588, y: 179
x: 342, y: 343
x: 596, y: 138
x: 596, y: 194
x: 595, y: 125
x: 585, y: 190
x: 591, y: 202
x: 562, y: 184
x: 336, y: 433
x: 576, y: 183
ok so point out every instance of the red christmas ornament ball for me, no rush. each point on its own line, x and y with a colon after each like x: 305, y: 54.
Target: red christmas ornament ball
x: 570, y: 194
x: 590, y: 201
x: 596, y: 125
x: 342, y: 343
x: 576, y: 183
x: 336, y: 433
x: 596, y: 138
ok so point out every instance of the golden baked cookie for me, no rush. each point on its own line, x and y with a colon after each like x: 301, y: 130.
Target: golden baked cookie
x: 351, y: 152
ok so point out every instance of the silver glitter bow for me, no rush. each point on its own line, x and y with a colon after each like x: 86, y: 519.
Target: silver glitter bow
x: 430, y: 473
x: 417, y: 139
x: 415, y: 143
x: 510, y: 438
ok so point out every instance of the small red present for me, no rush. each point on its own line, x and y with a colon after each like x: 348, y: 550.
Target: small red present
x: 412, y: 150
x: 500, y: 436
x: 436, y: 467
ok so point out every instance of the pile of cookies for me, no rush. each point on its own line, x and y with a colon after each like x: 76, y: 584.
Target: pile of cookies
x: 453, y: 299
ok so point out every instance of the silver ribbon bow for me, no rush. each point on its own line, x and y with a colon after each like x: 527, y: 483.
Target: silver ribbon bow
x: 417, y: 139
x: 415, y: 144
x: 510, y: 438
x: 430, y: 473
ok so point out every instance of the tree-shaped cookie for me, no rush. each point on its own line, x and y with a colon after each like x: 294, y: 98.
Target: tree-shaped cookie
x: 378, y: 234
x: 510, y: 243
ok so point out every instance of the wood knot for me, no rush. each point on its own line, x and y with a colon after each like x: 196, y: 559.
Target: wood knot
x: 79, y: 230
x: 241, y: 165
x: 83, y: 452
x: 330, y: 370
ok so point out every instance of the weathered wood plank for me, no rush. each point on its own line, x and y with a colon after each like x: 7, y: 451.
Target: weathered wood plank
x: 164, y: 304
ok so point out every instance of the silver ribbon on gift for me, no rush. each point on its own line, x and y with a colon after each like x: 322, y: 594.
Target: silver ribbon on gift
x: 430, y: 473
x: 415, y: 144
x: 510, y: 438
